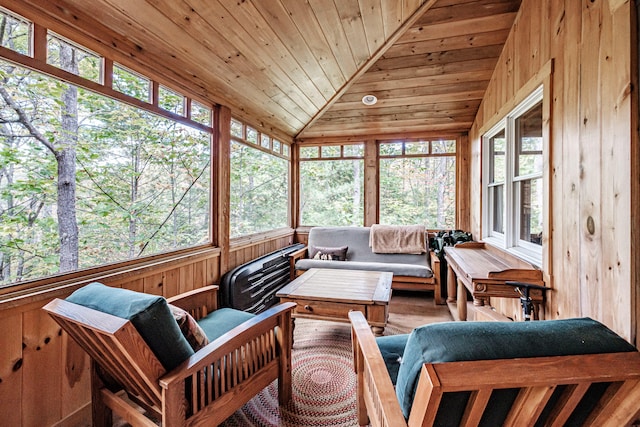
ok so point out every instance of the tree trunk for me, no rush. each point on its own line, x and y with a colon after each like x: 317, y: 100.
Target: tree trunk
x: 66, y: 158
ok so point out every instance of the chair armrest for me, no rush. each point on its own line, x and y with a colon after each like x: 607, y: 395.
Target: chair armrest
x: 255, y: 353
x: 376, y: 394
x: 293, y: 257
x: 198, y: 302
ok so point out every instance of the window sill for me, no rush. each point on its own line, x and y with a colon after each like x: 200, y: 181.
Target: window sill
x: 531, y: 256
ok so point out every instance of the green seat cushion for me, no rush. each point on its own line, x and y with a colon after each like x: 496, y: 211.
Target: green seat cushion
x: 461, y: 341
x: 149, y: 314
x: 221, y: 321
x: 392, y: 349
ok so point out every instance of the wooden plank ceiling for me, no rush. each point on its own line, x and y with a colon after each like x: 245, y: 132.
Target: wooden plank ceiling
x: 302, y: 67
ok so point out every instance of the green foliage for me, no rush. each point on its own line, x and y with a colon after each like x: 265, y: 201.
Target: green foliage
x: 259, y: 190
x: 331, y: 192
x: 418, y: 190
x: 143, y: 181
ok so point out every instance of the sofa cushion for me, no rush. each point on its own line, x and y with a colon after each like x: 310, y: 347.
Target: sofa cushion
x: 397, y: 269
x: 221, y: 321
x: 149, y: 314
x: 460, y: 341
x: 328, y: 254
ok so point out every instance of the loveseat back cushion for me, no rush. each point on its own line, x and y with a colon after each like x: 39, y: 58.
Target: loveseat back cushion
x: 221, y: 321
x: 149, y: 314
x: 465, y: 341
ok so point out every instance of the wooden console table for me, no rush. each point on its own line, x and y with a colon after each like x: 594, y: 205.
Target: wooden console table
x: 483, y: 270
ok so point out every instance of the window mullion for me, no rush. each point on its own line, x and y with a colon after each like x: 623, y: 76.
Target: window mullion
x: 510, y: 190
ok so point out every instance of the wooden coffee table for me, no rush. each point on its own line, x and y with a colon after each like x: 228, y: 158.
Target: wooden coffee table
x: 330, y: 294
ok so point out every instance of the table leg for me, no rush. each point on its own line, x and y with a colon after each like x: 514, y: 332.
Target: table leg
x: 377, y: 330
x: 451, y: 284
x: 462, y: 301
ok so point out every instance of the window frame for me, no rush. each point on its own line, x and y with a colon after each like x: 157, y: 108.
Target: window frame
x: 510, y: 239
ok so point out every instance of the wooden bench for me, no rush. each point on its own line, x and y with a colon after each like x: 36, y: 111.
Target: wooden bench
x: 547, y: 388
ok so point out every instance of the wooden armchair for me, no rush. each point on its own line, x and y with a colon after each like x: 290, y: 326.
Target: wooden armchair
x: 205, y: 388
x: 587, y: 389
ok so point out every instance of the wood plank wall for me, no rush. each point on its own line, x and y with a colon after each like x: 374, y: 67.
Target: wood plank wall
x: 593, y: 263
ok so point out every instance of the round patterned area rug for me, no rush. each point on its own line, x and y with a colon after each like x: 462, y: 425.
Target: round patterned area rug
x: 323, y: 382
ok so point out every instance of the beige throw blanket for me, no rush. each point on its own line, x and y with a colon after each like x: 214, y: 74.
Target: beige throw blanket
x: 397, y: 239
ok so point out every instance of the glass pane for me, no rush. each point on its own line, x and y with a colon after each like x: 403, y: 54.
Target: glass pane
x: 71, y: 58
x: 496, y: 200
x: 200, y: 113
x: 391, y: 149
x: 418, y: 191
x: 259, y: 197
x: 142, y: 182
x: 237, y: 128
x: 421, y: 147
x: 446, y: 146
x: 331, y: 192
x: 170, y: 100
x: 309, y: 152
x: 529, y: 142
x: 265, y: 141
x: 285, y: 150
x: 16, y: 33
x: 330, y: 151
x: 353, y: 150
x: 277, y: 147
x: 252, y: 135
x: 531, y: 210
x: 130, y: 83
x: 497, y: 167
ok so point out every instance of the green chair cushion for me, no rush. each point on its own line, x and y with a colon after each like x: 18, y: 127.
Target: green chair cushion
x: 149, y: 314
x: 392, y: 349
x: 221, y: 321
x: 461, y: 341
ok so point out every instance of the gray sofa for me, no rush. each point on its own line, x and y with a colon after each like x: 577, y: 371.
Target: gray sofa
x: 410, y: 271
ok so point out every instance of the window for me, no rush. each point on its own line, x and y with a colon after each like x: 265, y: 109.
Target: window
x: 68, y: 56
x: 418, y: 183
x: 332, y: 185
x: 513, y: 189
x: 140, y: 182
x: 131, y: 83
x: 259, y: 194
x: 15, y: 32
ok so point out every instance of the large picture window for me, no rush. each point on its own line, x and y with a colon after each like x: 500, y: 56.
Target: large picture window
x: 87, y: 180
x: 259, y: 195
x: 418, y: 183
x: 332, y: 185
x: 513, y: 192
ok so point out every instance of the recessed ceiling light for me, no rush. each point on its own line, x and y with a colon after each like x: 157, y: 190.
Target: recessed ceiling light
x: 369, y: 99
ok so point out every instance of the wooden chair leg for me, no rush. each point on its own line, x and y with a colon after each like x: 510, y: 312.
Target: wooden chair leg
x: 100, y: 412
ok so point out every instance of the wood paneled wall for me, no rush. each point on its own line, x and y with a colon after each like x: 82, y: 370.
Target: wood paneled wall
x: 593, y: 262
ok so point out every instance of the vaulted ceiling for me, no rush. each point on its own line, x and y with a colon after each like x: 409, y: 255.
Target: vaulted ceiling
x: 303, y: 66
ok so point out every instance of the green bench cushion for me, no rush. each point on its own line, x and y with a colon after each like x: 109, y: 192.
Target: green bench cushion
x: 149, y: 314
x: 221, y: 321
x: 462, y: 341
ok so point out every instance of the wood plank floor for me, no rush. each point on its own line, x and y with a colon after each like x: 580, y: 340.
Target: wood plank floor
x: 408, y: 310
